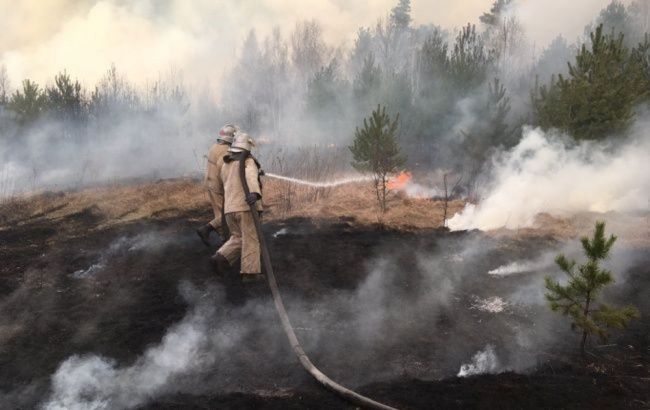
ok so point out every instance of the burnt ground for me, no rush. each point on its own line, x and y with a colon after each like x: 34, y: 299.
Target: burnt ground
x: 393, y: 314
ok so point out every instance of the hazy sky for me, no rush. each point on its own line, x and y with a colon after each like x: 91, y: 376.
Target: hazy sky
x: 144, y: 38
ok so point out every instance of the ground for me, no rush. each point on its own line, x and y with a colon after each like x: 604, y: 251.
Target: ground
x: 385, y: 306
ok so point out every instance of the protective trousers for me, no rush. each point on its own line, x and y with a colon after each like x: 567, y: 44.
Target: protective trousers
x: 243, y: 240
x: 216, y: 200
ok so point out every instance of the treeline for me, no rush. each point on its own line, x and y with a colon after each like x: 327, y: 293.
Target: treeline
x: 459, y: 94
x: 70, y: 112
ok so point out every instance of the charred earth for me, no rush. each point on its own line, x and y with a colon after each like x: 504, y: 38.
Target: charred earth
x: 131, y: 315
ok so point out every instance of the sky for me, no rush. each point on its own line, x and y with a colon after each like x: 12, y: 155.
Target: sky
x: 146, y: 39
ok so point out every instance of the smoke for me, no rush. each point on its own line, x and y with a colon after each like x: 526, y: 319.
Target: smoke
x: 150, y: 241
x: 401, y: 315
x: 219, y: 347
x: 484, y: 361
x: 543, y: 173
x: 145, y: 38
x: 192, y: 345
x: 211, y: 72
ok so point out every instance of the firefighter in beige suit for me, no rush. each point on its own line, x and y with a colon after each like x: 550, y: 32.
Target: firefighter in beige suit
x: 213, y: 184
x: 244, y: 242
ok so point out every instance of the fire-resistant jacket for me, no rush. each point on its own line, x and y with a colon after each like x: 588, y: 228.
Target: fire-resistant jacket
x: 235, y: 199
x: 212, y: 174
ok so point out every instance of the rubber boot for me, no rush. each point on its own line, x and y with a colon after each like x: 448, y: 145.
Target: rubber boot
x: 220, y: 263
x: 252, y: 278
x: 204, y: 233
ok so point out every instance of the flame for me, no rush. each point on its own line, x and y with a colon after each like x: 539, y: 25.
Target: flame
x: 400, y: 181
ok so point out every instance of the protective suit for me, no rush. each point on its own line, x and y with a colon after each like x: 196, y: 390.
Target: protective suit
x: 244, y: 242
x: 212, y: 182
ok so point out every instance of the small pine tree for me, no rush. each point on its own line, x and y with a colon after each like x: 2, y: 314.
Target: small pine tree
x: 578, y: 296
x: 375, y: 150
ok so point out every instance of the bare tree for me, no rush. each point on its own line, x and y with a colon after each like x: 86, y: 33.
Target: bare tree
x: 4, y: 86
x: 276, y: 63
x: 448, y: 195
x: 308, y: 49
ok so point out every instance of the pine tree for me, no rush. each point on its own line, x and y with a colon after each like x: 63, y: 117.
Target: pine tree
x: 493, y: 17
x: 470, y: 60
x: 400, y: 15
x: 367, y: 83
x: 599, y: 95
x: 578, y: 297
x: 433, y: 65
x: 29, y: 103
x: 65, y: 98
x: 375, y: 150
x: 492, y: 128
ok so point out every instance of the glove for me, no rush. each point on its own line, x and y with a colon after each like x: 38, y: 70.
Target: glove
x: 252, y: 198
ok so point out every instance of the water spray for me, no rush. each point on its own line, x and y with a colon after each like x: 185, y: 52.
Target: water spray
x: 326, y: 184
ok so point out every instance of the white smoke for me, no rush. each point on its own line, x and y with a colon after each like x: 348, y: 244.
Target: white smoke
x: 149, y: 241
x: 518, y: 267
x: 416, y: 190
x: 485, y: 361
x: 93, y: 382
x: 543, y: 174
x: 144, y: 37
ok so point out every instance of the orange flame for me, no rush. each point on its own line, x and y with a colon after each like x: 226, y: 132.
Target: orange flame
x: 400, y: 181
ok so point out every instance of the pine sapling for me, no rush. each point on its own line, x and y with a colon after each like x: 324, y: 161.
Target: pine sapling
x: 375, y: 150
x: 577, y: 298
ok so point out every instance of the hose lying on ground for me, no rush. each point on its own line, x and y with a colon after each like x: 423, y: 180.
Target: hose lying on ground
x: 344, y: 392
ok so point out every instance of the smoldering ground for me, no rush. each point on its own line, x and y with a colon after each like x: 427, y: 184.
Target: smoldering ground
x: 154, y: 321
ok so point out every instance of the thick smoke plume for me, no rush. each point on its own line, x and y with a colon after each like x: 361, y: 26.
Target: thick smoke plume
x: 544, y: 173
x: 146, y: 38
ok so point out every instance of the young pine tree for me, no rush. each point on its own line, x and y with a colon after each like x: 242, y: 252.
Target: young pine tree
x: 375, y: 150
x: 577, y: 298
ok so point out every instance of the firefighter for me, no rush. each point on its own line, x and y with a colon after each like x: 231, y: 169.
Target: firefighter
x: 213, y: 184
x: 244, y: 242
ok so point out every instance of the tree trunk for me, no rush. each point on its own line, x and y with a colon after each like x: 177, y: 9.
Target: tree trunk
x: 383, y: 193
x: 445, y: 203
x: 584, y: 331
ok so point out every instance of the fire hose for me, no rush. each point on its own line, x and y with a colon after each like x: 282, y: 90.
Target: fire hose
x: 330, y: 384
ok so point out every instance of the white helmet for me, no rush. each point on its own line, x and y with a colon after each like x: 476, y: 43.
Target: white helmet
x: 242, y: 142
x: 227, y: 133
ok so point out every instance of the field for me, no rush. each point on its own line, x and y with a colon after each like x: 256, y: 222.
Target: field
x: 113, y: 283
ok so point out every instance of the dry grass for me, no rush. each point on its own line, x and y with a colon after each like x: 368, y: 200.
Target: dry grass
x: 117, y: 203
x: 124, y: 203
x: 128, y: 202
x: 358, y: 200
